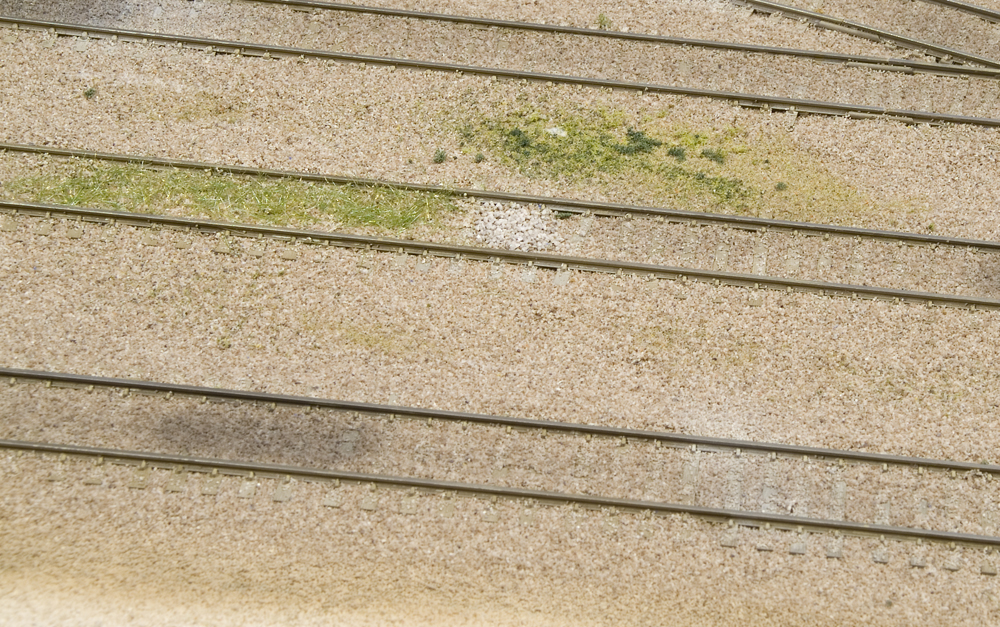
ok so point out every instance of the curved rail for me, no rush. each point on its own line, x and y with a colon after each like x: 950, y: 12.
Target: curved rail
x: 973, y: 9
x: 59, y: 379
x: 868, y: 32
x: 567, y: 205
x: 755, y: 101
x: 544, y: 261
x: 880, y: 63
x: 747, y: 518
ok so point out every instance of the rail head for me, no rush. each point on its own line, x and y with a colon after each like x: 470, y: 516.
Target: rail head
x: 981, y: 12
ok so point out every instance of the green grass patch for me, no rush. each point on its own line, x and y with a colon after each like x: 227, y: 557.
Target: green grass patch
x: 678, y: 152
x: 637, y: 142
x: 278, y: 202
x: 605, y: 146
x: 663, y: 161
x: 714, y: 155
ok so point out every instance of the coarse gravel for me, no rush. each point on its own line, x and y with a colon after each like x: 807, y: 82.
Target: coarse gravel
x: 590, y: 57
x: 945, y: 269
x: 610, y: 350
x: 700, y: 19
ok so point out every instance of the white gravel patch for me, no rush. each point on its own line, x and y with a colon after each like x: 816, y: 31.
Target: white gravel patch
x: 515, y: 227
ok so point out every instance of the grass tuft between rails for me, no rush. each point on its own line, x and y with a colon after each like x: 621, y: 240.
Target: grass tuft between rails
x: 275, y: 202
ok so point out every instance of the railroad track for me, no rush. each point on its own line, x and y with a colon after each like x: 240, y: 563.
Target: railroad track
x: 774, y: 238
x: 865, y: 31
x: 880, y: 63
x: 651, y: 448
x: 216, y: 46
x: 561, y: 265
x: 972, y: 9
x: 170, y: 390
x: 561, y: 204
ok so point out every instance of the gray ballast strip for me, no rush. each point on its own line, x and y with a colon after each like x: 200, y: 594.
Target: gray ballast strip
x: 745, y: 100
x: 415, y: 412
x: 973, y: 9
x: 759, y: 518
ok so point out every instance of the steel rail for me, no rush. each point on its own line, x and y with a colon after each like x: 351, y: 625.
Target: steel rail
x: 974, y: 9
x: 60, y: 379
x: 567, y: 205
x: 537, y: 259
x: 746, y: 518
x: 544, y: 261
x: 754, y: 101
x: 868, y: 32
x: 881, y: 63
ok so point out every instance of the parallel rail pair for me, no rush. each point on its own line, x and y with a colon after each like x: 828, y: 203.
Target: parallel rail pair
x: 544, y: 261
x: 556, y: 203
x: 755, y: 101
x: 742, y: 517
x: 895, y: 65
x: 876, y: 34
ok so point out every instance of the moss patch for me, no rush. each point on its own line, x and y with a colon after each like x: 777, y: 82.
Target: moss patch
x: 279, y: 202
x: 606, y: 147
x: 206, y: 106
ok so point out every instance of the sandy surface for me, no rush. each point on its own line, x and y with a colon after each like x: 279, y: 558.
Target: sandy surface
x: 83, y: 554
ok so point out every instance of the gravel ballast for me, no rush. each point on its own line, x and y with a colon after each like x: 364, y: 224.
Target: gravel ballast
x: 493, y: 339
x: 582, y: 56
x: 603, y: 349
x: 711, y: 19
x: 925, y: 21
